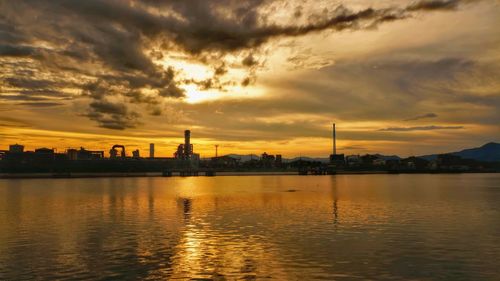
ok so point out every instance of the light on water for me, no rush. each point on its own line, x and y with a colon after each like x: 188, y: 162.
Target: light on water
x: 417, y: 227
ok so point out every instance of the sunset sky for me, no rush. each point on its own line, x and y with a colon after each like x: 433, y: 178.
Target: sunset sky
x: 397, y: 76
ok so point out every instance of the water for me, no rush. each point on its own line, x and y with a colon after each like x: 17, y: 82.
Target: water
x: 418, y: 227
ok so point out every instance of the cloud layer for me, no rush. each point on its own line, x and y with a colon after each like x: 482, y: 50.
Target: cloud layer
x: 268, y: 70
x: 423, y: 116
x: 420, y: 128
x: 109, y: 51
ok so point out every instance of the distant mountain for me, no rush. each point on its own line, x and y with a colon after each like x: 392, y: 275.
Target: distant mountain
x: 489, y: 152
x: 388, y: 157
x: 310, y: 159
x: 244, y: 158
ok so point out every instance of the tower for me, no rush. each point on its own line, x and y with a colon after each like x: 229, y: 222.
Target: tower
x: 187, y: 144
x: 337, y: 160
x: 334, y: 141
x: 151, y: 150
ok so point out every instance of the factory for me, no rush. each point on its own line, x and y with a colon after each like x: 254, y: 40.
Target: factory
x: 43, y: 160
x: 185, y: 150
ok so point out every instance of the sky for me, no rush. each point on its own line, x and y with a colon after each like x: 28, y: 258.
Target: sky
x: 406, y: 77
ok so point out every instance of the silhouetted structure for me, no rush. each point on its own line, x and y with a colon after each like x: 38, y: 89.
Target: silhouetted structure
x: 267, y: 160
x: 185, y: 150
x: 336, y: 160
x: 186, y: 163
x: 136, y: 153
x: 151, y: 150
x: 279, y: 161
x: 113, y: 153
x: 16, y: 148
x: 84, y: 154
x: 46, y: 160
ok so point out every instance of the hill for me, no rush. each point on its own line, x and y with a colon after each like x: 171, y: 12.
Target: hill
x: 489, y: 152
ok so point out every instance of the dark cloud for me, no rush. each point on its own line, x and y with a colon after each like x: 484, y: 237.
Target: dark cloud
x: 215, y: 82
x: 429, y: 5
x: 110, y: 47
x: 220, y: 70
x: 246, y: 81
x: 379, y: 90
x: 172, y: 91
x: 420, y: 128
x: 41, y: 104
x: 21, y: 97
x: 29, y: 83
x: 14, y: 122
x: 249, y: 61
x: 112, y: 115
x: 423, y: 116
x: 109, y: 108
x: 353, y: 147
x: 16, y: 51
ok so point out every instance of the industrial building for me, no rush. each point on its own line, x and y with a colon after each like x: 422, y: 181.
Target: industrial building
x: 43, y: 160
x: 151, y: 150
x: 185, y: 150
x: 83, y: 154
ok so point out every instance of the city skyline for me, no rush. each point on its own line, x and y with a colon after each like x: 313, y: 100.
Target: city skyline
x: 398, y: 77
x: 133, y: 151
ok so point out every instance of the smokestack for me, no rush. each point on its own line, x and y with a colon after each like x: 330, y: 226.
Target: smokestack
x: 187, y: 142
x: 334, y: 141
x: 151, y: 150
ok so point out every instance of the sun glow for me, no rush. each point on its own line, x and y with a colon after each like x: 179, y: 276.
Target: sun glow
x: 187, y: 69
x: 194, y: 95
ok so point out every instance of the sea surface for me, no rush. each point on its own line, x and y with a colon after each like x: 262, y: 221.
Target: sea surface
x: 344, y: 227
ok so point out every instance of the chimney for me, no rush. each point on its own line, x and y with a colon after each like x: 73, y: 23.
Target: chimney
x: 334, y: 141
x: 151, y: 150
x: 187, y: 142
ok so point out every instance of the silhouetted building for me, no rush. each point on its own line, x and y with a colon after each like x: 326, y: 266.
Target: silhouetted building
x: 267, y: 160
x: 44, y: 151
x: 113, y: 153
x: 354, y: 161
x: 392, y: 163
x: 379, y: 162
x: 151, y: 150
x: 224, y: 162
x: 136, y: 154
x: 415, y: 163
x: 16, y: 148
x: 188, y: 148
x: 337, y: 160
x: 453, y: 162
x: 185, y: 150
x: 367, y: 159
x: 84, y: 154
x: 179, y: 154
x: 279, y: 160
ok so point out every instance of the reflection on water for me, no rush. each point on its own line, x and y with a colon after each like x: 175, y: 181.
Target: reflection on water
x: 225, y: 228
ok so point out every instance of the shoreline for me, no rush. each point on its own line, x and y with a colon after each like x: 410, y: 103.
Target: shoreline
x: 226, y: 173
